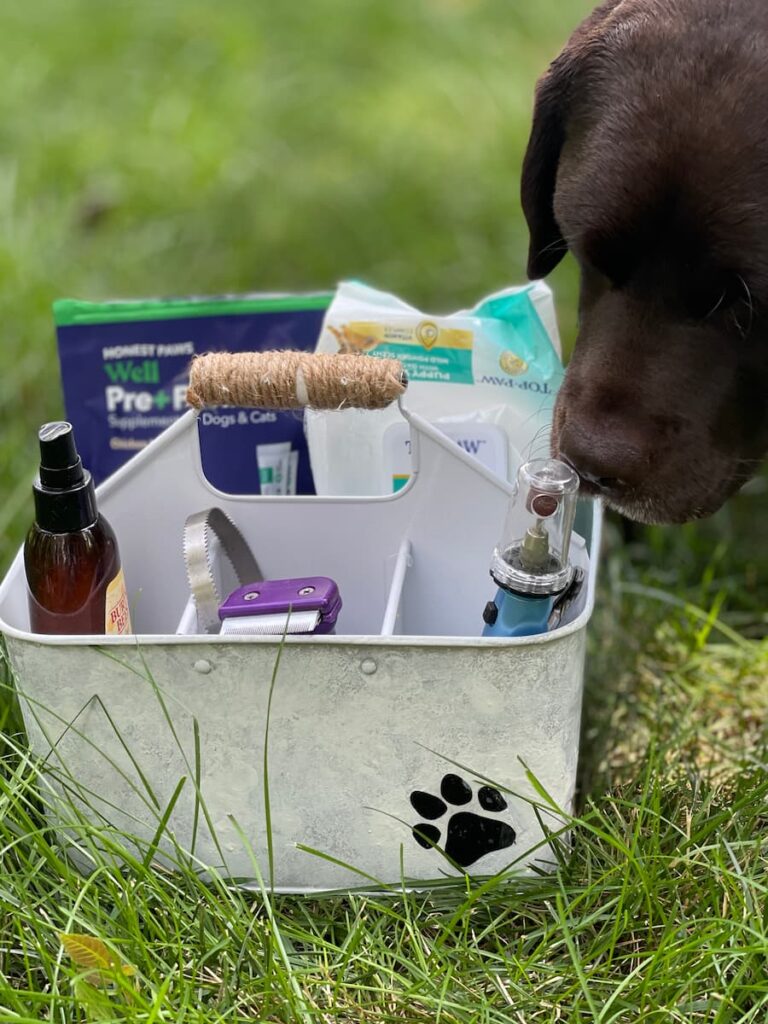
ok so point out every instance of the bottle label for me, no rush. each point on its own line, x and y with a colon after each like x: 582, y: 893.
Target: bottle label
x: 118, y: 618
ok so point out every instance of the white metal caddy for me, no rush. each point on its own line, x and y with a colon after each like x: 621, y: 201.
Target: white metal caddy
x: 405, y: 719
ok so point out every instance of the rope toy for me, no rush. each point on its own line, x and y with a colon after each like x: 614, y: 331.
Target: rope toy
x: 294, y: 380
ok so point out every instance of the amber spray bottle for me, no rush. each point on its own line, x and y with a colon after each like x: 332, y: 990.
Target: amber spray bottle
x: 74, y: 577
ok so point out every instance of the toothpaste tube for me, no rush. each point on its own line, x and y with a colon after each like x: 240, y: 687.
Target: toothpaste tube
x: 275, y: 461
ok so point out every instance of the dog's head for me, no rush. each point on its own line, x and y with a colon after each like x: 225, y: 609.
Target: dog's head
x: 648, y: 160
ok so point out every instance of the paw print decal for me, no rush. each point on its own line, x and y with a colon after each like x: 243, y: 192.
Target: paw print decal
x: 469, y: 836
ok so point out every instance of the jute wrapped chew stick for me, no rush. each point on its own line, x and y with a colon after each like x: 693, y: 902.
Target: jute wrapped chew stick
x: 294, y: 380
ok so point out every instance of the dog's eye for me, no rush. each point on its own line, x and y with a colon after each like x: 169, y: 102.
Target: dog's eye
x: 710, y: 295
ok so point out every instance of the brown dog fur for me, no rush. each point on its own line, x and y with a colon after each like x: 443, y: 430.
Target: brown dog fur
x: 648, y: 160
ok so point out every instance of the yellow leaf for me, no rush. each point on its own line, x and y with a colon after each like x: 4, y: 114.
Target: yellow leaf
x: 97, y: 959
x: 87, y: 951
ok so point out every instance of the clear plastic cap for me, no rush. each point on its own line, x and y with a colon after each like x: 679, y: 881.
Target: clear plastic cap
x: 532, y: 555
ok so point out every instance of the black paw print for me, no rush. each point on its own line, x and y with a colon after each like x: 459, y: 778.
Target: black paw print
x: 469, y: 836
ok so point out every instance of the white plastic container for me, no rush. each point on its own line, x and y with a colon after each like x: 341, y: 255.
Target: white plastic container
x: 406, y: 693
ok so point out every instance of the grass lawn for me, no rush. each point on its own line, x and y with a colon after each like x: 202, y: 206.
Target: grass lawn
x: 171, y: 148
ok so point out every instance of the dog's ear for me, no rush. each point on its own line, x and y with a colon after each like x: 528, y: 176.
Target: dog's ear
x: 550, y: 119
x: 547, y: 245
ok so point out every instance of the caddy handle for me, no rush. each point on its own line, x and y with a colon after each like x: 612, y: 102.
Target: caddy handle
x: 294, y: 380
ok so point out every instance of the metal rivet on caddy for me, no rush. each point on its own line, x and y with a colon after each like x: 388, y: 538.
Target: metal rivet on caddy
x: 203, y: 667
x: 306, y: 591
x: 251, y: 595
x: 368, y: 667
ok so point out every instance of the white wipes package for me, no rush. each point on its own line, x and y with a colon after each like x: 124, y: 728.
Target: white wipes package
x: 487, y: 377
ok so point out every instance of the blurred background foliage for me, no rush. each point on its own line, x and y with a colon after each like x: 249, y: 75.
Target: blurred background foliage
x: 188, y: 147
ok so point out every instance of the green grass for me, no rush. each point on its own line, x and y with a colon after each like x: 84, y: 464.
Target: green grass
x: 658, y: 914
x: 168, y: 148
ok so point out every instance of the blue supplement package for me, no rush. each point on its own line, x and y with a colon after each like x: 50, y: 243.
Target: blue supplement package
x: 124, y: 368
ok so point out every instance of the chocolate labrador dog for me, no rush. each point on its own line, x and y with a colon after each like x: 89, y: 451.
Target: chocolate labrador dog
x: 648, y: 161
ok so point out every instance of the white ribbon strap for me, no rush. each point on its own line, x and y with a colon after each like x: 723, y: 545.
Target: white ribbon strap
x: 202, y: 583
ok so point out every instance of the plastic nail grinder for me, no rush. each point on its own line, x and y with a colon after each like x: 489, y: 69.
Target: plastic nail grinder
x: 531, y: 562
x: 308, y: 604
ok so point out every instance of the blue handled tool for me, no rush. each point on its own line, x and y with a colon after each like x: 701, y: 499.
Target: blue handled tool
x: 531, y: 564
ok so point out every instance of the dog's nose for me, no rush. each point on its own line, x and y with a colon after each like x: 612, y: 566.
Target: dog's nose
x: 611, y: 457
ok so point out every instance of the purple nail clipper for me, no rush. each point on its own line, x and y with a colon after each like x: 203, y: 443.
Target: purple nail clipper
x: 307, y: 604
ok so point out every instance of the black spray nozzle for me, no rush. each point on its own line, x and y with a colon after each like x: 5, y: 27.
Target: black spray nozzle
x: 65, y: 500
x: 60, y: 465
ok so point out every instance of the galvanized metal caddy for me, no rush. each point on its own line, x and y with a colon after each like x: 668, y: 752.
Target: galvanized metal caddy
x: 406, y: 697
